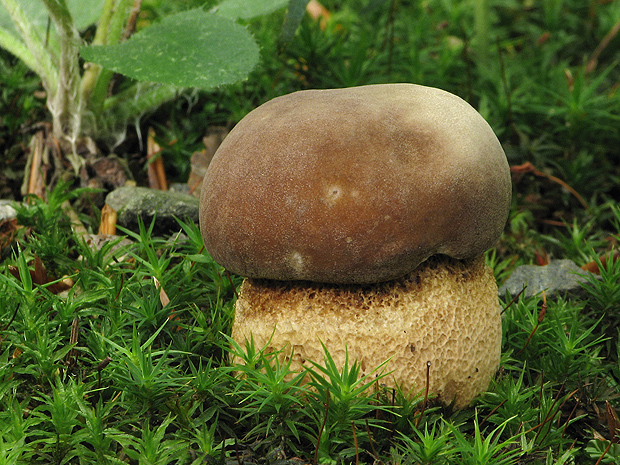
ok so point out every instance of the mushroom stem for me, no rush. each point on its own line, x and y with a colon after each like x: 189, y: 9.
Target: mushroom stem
x: 446, y: 312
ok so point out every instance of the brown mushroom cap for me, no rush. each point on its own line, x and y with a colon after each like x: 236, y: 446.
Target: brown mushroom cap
x: 354, y: 185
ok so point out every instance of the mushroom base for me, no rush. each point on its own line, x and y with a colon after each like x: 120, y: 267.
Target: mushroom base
x: 446, y: 312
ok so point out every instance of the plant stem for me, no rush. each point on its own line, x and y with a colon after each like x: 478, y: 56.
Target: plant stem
x: 93, y: 71
x: 66, y: 105
x: 481, y: 27
x: 96, y: 80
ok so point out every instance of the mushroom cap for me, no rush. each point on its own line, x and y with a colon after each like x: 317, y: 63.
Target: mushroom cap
x: 355, y: 185
x: 445, y: 312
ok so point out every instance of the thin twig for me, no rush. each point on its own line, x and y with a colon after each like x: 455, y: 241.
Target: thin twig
x: 130, y: 28
x: 12, y: 318
x: 73, y: 340
x: 549, y: 417
x: 231, y: 283
x: 239, y: 459
x: 428, y: 382
x: 370, y: 439
x: 104, y: 363
x: 493, y: 411
x: 527, y: 167
x: 570, y: 415
x: 155, y: 163
x: 604, y: 453
x: 118, y: 294
x: 318, y: 439
x: 357, y: 451
x: 593, y: 61
x: 514, y: 299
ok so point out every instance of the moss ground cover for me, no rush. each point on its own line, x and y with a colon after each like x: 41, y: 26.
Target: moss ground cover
x: 128, y: 362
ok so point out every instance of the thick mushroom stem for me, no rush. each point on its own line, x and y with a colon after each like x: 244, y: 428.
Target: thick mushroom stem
x: 446, y: 312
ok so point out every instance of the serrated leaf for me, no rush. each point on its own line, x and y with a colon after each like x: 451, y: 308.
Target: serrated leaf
x: 189, y: 49
x: 246, y: 9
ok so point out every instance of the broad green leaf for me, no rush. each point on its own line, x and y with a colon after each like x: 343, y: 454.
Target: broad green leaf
x: 189, y: 49
x: 35, y: 11
x: 84, y: 12
x: 246, y: 9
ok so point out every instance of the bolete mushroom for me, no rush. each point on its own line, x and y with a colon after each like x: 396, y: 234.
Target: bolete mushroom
x: 359, y: 218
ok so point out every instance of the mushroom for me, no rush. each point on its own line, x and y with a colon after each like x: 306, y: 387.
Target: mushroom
x: 359, y: 218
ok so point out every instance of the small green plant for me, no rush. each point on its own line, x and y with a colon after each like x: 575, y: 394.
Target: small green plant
x: 491, y: 449
x: 341, y: 404
x: 50, y: 225
x: 147, y: 375
x: 579, y: 242
x: 554, y: 338
x: 603, y: 290
x: 208, y: 448
x: 99, y: 439
x: 153, y: 447
x: 16, y: 430
x: 604, y: 451
x: 60, y: 418
x: 511, y: 402
x: 428, y: 447
x: 270, y: 394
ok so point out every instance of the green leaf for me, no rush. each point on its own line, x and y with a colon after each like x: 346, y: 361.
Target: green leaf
x: 84, y: 13
x: 189, y: 49
x: 294, y: 14
x: 246, y: 9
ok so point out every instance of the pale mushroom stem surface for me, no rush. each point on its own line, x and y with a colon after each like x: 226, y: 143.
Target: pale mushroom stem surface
x: 446, y: 312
